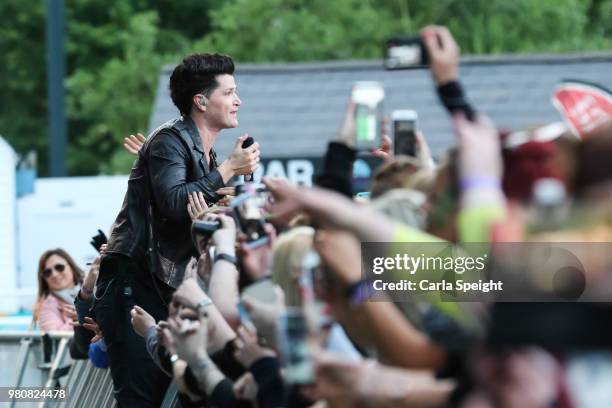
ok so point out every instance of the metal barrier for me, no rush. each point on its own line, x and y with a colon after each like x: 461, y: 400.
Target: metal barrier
x: 54, y: 350
x: 86, y: 385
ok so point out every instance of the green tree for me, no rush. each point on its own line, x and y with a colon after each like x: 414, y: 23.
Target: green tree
x: 23, y: 100
x: 108, y: 103
x: 114, y: 51
x: 297, y: 30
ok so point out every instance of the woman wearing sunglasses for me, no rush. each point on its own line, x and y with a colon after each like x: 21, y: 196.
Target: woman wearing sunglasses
x: 59, y: 281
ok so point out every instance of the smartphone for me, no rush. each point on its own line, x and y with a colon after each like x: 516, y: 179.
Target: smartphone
x: 404, y: 132
x: 247, y: 212
x: 206, y: 228
x: 313, y: 286
x: 368, y: 97
x: 405, y: 53
x: 295, y: 352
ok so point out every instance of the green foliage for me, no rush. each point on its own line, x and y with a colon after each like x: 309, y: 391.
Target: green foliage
x: 318, y: 29
x: 115, y: 50
x: 114, y: 53
x: 520, y: 26
x: 23, y: 102
x: 118, y: 95
x: 278, y: 30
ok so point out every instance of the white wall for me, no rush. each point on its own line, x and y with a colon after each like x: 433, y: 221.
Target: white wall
x: 8, y: 255
x: 65, y: 213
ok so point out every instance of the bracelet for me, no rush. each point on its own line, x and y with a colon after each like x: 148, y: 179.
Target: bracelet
x: 480, y: 182
x: 359, y: 292
x: 203, y: 303
x: 453, y: 98
x: 226, y: 257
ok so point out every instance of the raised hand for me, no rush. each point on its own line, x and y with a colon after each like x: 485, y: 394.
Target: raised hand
x: 248, y: 349
x: 245, y: 387
x: 341, y: 253
x: 196, y: 205
x: 69, y: 311
x: 224, y: 238
x: 133, y: 144
x: 322, y: 205
x: 385, y: 151
x: 189, y: 294
x: 189, y: 337
x: 90, y: 324
x: 423, y: 153
x: 164, y: 336
x: 256, y: 261
x: 226, y: 191
x: 443, y: 54
x: 265, y: 315
x: 346, y: 133
x: 89, y: 282
x: 479, y: 150
x: 141, y: 320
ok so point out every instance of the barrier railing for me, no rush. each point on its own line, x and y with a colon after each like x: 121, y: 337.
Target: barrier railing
x: 86, y: 385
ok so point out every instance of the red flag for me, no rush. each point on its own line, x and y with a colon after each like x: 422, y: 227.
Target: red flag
x: 585, y: 107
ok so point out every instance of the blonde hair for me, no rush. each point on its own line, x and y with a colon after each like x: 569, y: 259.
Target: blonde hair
x: 394, y: 174
x: 403, y: 205
x: 288, y: 253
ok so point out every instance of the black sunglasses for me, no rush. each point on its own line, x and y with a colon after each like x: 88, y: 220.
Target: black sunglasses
x: 49, y: 271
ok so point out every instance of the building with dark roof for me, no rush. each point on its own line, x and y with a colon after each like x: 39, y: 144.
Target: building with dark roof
x: 292, y: 110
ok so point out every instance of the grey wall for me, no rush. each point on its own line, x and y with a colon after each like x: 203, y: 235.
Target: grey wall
x: 293, y: 109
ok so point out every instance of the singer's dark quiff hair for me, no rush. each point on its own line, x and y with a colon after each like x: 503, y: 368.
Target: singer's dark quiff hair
x: 197, y: 74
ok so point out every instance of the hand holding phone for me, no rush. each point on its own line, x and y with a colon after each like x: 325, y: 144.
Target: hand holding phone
x: 248, y: 212
x: 249, y: 350
x: 404, y: 132
x: 295, y: 351
x: 443, y: 52
x: 263, y: 302
x: 368, y: 97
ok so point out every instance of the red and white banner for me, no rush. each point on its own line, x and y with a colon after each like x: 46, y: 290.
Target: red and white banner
x: 585, y: 107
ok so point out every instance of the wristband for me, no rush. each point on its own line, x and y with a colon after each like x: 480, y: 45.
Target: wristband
x: 203, y: 303
x: 226, y: 257
x: 453, y: 98
x: 359, y: 292
x: 486, y: 182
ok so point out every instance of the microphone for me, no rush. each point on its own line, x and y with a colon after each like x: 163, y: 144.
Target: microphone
x: 246, y: 143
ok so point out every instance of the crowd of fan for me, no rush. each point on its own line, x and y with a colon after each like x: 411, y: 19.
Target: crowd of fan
x: 286, y: 322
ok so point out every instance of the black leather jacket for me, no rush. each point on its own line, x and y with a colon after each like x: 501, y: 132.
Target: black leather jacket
x: 170, y: 165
